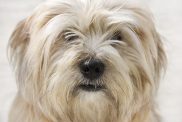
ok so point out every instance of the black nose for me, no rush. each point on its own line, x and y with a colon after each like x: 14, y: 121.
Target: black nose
x: 92, y: 69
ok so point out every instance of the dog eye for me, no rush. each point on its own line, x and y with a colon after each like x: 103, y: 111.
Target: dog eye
x: 71, y: 38
x: 117, y: 36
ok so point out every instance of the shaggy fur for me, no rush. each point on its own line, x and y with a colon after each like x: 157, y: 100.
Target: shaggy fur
x: 47, y: 47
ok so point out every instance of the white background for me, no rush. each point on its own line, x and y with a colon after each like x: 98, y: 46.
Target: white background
x: 168, y: 17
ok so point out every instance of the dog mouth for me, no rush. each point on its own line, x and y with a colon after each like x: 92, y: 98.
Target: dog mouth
x: 91, y: 87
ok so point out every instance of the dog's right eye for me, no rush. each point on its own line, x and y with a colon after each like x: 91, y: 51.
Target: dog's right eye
x: 71, y: 38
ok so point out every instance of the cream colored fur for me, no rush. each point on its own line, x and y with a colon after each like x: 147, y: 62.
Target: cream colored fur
x: 46, y: 62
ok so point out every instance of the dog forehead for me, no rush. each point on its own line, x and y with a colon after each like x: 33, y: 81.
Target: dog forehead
x: 83, y: 14
x: 89, y: 19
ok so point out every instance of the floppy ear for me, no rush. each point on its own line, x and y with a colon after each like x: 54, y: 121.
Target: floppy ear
x: 161, y: 61
x: 17, y: 46
x: 18, y: 43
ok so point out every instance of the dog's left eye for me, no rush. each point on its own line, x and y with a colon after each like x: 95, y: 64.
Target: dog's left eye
x: 117, y: 36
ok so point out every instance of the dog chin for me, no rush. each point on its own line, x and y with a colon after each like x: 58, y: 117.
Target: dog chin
x: 92, y: 105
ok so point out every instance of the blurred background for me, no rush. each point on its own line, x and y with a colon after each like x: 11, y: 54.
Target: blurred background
x: 168, y: 19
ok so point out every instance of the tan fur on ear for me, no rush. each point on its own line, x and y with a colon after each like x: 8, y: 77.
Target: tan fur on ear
x: 18, y: 43
x: 17, y: 48
x: 161, y: 61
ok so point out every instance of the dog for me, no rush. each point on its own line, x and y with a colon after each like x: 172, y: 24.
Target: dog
x: 86, y: 61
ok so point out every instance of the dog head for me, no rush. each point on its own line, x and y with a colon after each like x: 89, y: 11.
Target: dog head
x: 83, y: 60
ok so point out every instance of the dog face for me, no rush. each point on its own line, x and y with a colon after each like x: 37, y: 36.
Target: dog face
x: 85, y: 61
